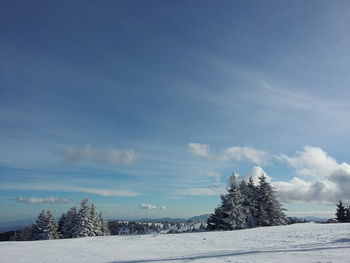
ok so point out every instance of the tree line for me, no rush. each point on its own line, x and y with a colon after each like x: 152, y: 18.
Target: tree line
x: 247, y: 205
x: 82, y: 222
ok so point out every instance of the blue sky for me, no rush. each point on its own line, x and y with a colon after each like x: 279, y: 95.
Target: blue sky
x: 148, y: 106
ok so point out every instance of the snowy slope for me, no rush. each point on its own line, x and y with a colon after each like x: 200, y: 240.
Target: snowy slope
x: 295, y: 243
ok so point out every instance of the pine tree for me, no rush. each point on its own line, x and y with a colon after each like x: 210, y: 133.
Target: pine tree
x: 252, y: 196
x: 341, y: 212
x: 45, y: 227
x: 68, y: 222
x: 249, y: 202
x: 234, y: 213
x: 215, y: 221
x: 347, y: 214
x: 84, y: 225
x: 270, y: 210
x: 61, y: 224
x: 26, y: 233
x: 96, y: 224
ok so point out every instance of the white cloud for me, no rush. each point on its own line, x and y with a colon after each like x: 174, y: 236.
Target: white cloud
x: 256, y: 172
x: 151, y: 207
x: 212, y: 174
x: 39, y: 200
x: 244, y: 154
x: 205, y: 191
x: 312, y: 162
x: 231, y: 153
x: 325, y: 180
x: 147, y: 206
x: 299, y: 190
x: 104, y: 192
x: 199, y: 149
x: 69, y: 188
x: 100, y: 155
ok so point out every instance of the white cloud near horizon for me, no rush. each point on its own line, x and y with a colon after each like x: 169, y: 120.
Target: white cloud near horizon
x: 39, y: 200
x: 151, y: 207
x: 100, y: 155
x: 320, y: 179
x: 231, y: 153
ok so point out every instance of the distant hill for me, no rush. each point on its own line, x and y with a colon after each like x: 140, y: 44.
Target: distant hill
x: 201, y: 218
x: 14, y: 225
x: 315, y: 219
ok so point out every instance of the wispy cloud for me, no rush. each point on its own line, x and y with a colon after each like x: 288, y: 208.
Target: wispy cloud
x: 69, y: 188
x: 231, y: 153
x: 244, y: 154
x: 151, y: 207
x: 100, y: 155
x: 204, y: 191
x: 288, y: 99
x: 39, y: 200
x: 211, y: 174
x: 199, y: 149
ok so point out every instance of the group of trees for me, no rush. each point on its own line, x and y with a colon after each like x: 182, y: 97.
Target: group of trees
x: 141, y: 228
x: 132, y: 228
x: 247, y: 205
x: 343, y: 213
x: 74, y: 223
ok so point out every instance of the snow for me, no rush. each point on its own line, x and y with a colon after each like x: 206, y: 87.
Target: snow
x: 294, y: 243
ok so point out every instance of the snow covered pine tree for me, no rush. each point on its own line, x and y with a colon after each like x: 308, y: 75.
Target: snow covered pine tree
x: 67, y: 223
x: 270, y: 210
x: 246, y: 206
x: 234, y: 214
x: 88, y: 222
x: 45, y: 227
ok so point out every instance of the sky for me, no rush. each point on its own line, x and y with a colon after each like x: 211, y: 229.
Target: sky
x: 147, y: 107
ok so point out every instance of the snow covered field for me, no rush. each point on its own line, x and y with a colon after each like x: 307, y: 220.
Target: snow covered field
x: 294, y: 243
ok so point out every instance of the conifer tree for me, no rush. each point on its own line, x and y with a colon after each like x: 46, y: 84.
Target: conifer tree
x: 252, y: 217
x: 270, y: 210
x: 45, y: 227
x: 215, y: 221
x: 84, y: 225
x: 341, y: 212
x: 347, y: 214
x: 68, y: 222
x: 234, y: 213
x: 26, y: 233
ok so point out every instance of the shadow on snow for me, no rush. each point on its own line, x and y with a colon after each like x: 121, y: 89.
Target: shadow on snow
x: 238, y: 253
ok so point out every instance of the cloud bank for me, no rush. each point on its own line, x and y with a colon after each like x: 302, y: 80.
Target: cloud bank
x: 322, y: 179
x: 100, y: 155
x: 319, y: 177
x: 38, y: 200
x: 231, y: 153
